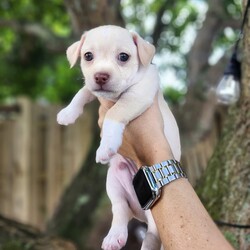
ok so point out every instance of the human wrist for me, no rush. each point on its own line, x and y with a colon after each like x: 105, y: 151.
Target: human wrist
x: 150, y: 180
x: 156, y: 153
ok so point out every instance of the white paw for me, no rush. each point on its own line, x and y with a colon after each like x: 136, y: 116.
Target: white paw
x: 116, y: 238
x: 112, y: 133
x: 104, y: 154
x: 68, y: 115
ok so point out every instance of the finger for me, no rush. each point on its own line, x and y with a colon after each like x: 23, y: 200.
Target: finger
x: 103, y: 109
x: 101, y: 113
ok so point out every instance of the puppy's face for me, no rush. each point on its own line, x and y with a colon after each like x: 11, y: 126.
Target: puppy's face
x: 110, y: 59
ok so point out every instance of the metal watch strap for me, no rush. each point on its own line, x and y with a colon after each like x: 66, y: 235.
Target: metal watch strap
x: 166, y: 172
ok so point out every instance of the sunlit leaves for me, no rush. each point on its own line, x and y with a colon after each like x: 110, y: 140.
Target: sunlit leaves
x: 51, y: 14
x: 30, y: 69
x: 170, y: 25
x: 175, y: 16
x: 59, y: 81
x: 177, y: 23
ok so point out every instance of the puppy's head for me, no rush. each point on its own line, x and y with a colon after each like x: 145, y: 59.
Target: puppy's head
x: 110, y: 59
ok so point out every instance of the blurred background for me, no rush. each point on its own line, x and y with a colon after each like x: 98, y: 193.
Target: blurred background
x: 52, y: 193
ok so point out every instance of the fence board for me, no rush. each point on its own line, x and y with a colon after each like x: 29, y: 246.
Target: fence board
x: 53, y: 160
x: 195, y: 159
x: 37, y: 170
x: 21, y: 162
x: 38, y: 158
x: 5, y: 166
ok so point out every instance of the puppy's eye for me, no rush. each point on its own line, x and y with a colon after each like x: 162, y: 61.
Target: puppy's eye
x: 88, y: 56
x: 123, y: 57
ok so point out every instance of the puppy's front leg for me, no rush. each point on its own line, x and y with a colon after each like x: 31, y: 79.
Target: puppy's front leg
x: 130, y: 105
x: 69, y: 114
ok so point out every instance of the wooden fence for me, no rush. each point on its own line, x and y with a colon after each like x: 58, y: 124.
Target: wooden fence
x: 195, y: 158
x: 38, y: 158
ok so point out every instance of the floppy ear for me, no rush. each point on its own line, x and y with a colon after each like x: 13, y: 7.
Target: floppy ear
x: 145, y: 49
x: 73, y: 51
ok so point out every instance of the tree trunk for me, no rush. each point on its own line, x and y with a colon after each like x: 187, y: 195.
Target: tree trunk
x: 17, y: 236
x: 225, y: 186
x: 74, y: 216
x: 196, y: 115
x: 87, y: 14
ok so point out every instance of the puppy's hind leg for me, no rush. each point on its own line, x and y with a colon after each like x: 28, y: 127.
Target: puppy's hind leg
x: 151, y: 240
x: 118, y: 233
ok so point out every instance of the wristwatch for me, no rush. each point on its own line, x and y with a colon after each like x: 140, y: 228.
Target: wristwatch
x: 149, y: 181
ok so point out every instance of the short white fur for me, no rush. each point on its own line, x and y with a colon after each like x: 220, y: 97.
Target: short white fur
x: 132, y: 85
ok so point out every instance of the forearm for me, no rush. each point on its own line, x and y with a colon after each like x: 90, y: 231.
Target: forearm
x: 181, y: 219
x: 183, y: 222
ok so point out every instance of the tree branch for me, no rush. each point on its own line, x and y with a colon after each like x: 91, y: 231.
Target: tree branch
x: 81, y: 13
x: 159, y: 25
x: 199, y: 108
x: 15, y: 235
x: 214, y: 23
x: 52, y: 42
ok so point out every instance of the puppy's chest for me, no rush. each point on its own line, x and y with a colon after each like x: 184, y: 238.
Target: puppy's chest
x: 106, y: 102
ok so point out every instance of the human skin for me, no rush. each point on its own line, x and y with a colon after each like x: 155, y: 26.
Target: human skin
x: 181, y: 219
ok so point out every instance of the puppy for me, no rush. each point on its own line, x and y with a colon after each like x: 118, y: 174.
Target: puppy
x: 116, y: 65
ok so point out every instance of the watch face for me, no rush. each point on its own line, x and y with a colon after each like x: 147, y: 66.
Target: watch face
x: 142, y: 188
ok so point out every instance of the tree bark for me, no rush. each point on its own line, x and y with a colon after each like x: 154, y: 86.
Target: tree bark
x: 225, y: 188
x: 196, y: 115
x: 89, y: 14
x: 17, y: 236
x: 73, y: 218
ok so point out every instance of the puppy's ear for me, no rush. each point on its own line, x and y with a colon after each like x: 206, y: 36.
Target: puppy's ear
x: 74, y: 50
x: 145, y: 49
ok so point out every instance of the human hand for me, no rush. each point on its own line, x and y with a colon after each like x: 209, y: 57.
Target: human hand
x: 143, y: 140
x: 145, y: 143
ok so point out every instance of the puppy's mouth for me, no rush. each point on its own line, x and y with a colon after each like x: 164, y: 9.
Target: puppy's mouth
x: 106, y: 93
x: 103, y: 89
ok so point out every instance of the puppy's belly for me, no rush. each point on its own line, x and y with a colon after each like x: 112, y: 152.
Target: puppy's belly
x: 136, y: 208
x: 123, y: 171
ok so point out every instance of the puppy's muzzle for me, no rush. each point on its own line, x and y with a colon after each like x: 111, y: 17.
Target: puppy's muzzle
x: 101, y: 78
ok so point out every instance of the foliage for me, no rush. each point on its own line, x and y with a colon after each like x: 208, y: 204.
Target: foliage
x: 59, y: 82
x: 172, y: 27
x: 175, y: 17
x: 43, y: 76
x: 52, y: 15
x: 232, y: 239
x: 30, y: 67
x: 173, y: 95
x: 166, y: 24
x: 15, y: 244
x: 12, y: 245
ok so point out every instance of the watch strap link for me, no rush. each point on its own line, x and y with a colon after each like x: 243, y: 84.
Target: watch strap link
x: 166, y: 172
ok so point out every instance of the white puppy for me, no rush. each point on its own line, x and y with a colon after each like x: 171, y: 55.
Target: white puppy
x: 116, y: 65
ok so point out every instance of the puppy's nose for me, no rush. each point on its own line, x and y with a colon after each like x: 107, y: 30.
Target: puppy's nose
x: 101, y: 78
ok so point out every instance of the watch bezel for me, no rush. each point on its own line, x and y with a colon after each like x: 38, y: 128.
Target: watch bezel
x: 156, y: 192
